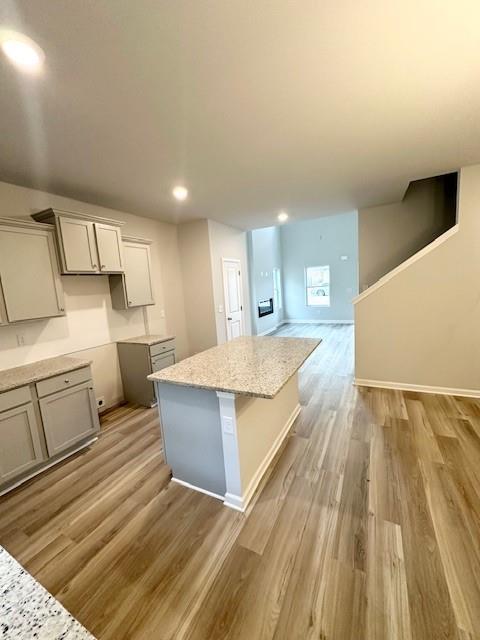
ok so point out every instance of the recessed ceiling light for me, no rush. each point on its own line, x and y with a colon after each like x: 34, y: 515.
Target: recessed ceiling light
x: 282, y: 216
x: 180, y: 193
x: 22, y: 51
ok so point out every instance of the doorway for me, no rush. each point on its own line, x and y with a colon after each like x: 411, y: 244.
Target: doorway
x: 232, y: 287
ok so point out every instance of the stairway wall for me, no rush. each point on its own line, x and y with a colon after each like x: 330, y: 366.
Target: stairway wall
x: 421, y: 328
x: 389, y: 234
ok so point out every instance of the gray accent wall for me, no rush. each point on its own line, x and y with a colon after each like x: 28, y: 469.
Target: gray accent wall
x: 318, y: 242
x: 264, y: 252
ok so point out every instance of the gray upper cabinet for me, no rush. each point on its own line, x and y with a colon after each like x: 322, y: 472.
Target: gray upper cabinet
x: 30, y: 279
x: 87, y: 244
x: 109, y: 243
x: 79, y: 249
x: 133, y: 288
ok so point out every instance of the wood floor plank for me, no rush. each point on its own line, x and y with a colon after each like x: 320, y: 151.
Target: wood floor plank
x: 367, y: 526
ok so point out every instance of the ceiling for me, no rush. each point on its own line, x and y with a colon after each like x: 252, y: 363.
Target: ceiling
x: 315, y: 107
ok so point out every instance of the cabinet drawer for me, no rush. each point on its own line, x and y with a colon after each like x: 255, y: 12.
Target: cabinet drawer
x: 162, y: 347
x: 15, y: 398
x: 162, y: 361
x: 63, y: 381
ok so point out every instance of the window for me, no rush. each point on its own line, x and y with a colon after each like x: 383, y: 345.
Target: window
x: 318, y: 286
x: 277, y: 289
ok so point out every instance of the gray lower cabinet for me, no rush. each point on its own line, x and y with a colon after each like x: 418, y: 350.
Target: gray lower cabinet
x: 41, y: 423
x: 68, y: 417
x: 20, y: 448
x: 137, y: 361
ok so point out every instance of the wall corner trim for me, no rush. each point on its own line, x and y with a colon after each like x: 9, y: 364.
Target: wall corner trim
x: 404, y: 386
x: 407, y: 263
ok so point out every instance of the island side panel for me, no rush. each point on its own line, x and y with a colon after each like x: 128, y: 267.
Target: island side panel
x: 192, y: 434
x: 262, y: 426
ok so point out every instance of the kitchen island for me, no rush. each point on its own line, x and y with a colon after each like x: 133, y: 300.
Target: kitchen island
x: 226, y: 411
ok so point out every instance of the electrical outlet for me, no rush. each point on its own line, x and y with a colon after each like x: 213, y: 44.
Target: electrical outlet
x: 100, y: 402
x: 20, y: 339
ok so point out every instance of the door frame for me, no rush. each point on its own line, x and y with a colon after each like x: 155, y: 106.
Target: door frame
x: 225, y: 294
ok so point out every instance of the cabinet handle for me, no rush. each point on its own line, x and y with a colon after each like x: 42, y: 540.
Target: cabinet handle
x: 67, y: 381
x: 61, y: 309
x: 130, y: 303
x: 229, y: 318
x: 103, y: 266
x: 94, y: 266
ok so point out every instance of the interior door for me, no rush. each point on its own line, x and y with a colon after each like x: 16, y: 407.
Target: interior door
x: 109, y: 243
x: 232, y: 284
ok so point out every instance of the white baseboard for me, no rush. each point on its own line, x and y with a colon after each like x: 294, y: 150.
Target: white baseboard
x: 403, y: 386
x: 298, y: 321
x: 240, y: 503
x: 199, y: 489
x: 268, y: 331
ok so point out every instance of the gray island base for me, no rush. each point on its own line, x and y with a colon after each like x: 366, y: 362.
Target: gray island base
x: 226, y: 411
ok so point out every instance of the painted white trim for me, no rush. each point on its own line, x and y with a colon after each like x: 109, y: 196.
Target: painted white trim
x: 407, y: 263
x: 48, y: 466
x: 255, y: 481
x: 298, y: 321
x: 231, y: 452
x: 199, y: 489
x: 404, y: 386
x: 234, y: 502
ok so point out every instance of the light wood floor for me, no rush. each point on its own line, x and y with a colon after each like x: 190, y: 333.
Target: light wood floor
x: 368, y: 526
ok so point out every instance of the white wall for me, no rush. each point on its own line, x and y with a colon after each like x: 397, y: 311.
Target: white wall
x: 316, y: 243
x: 194, y: 244
x: 90, y: 322
x: 264, y: 257
x: 422, y: 327
x: 389, y: 234
x: 228, y: 242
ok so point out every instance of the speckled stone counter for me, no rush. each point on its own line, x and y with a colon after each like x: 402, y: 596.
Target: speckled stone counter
x: 256, y: 366
x: 225, y: 412
x: 148, y: 340
x: 28, y: 373
x: 28, y: 611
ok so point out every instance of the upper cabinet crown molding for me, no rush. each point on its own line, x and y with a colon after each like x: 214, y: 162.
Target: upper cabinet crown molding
x: 136, y: 240
x: 87, y: 244
x: 46, y: 215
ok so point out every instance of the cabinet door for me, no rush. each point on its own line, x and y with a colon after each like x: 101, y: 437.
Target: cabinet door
x: 68, y: 417
x: 20, y: 447
x: 138, y: 277
x: 78, y: 244
x: 109, y: 243
x: 29, y: 274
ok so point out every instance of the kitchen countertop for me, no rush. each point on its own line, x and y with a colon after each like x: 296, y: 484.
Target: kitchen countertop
x: 35, y: 371
x: 147, y: 340
x: 257, y: 366
x: 27, y: 610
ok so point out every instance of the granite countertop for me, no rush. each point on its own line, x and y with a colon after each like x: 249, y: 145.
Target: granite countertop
x: 27, y: 610
x: 35, y: 371
x: 257, y: 366
x: 148, y: 340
